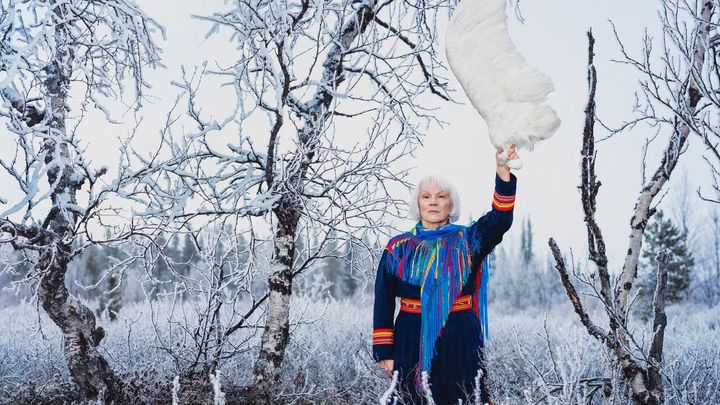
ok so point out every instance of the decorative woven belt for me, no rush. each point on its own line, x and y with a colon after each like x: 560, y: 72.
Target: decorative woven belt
x: 412, y: 306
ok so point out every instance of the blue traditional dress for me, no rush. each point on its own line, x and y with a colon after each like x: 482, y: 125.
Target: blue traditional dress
x: 441, y: 277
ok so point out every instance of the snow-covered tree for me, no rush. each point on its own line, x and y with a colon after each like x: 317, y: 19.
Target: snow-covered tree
x: 50, y: 49
x: 287, y: 158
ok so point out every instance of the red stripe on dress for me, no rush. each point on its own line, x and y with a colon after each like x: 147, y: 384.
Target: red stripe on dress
x: 503, y: 202
x: 382, y: 336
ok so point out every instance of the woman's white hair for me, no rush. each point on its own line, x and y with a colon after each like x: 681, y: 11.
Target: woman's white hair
x: 445, y: 186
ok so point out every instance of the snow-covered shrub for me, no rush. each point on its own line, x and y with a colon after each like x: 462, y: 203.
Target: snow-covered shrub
x: 531, y: 357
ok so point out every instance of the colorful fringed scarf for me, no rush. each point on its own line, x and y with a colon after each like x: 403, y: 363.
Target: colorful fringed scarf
x: 439, y: 261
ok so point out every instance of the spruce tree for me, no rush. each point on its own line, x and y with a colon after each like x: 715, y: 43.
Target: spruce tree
x: 188, y: 255
x: 112, y: 295
x: 93, y: 270
x: 526, y: 243
x: 187, y: 258
x: 111, y: 298
x: 662, y: 234
x: 161, y: 268
x: 351, y: 252
x: 332, y: 266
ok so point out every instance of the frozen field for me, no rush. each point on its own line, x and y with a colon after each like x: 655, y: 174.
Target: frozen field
x: 328, y: 359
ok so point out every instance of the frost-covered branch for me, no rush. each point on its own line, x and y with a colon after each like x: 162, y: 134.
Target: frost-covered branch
x: 678, y: 86
x: 49, y: 49
x: 641, y: 371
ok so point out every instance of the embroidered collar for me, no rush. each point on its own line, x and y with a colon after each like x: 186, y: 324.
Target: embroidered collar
x: 422, y: 232
x: 420, y: 228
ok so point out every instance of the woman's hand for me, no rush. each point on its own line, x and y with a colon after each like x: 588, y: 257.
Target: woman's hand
x: 502, y: 168
x: 387, y: 366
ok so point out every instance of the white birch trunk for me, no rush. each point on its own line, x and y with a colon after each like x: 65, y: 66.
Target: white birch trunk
x: 89, y: 370
x: 288, y: 210
x: 641, y: 215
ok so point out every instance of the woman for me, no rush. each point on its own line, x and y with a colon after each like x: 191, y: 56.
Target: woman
x: 438, y: 272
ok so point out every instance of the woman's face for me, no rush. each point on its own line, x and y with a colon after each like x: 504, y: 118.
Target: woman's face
x: 435, y: 205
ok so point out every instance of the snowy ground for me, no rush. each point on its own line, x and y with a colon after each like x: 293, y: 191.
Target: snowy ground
x: 329, y: 355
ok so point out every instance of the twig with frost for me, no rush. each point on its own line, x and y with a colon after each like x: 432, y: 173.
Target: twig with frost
x: 176, y: 391
x: 478, y: 391
x: 426, y: 388
x: 386, y: 395
x: 219, y: 396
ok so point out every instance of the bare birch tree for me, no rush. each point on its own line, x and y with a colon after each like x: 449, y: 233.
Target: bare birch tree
x: 287, y: 158
x: 676, y: 89
x: 48, y: 49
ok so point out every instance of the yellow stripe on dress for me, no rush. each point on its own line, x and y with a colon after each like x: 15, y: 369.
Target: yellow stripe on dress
x: 382, y: 336
x: 503, y: 202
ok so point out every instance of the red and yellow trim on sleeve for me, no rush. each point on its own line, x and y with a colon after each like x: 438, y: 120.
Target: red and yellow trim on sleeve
x: 382, y: 336
x: 503, y: 202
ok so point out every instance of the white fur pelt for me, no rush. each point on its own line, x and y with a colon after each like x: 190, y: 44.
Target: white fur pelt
x: 505, y: 90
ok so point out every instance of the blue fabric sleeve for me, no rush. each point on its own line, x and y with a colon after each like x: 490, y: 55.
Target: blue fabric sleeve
x: 487, y: 232
x: 384, y: 310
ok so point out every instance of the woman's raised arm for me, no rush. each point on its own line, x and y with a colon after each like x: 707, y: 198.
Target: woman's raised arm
x: 487, y: 232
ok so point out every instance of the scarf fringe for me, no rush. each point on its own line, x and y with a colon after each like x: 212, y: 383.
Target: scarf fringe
x: 480, y: 304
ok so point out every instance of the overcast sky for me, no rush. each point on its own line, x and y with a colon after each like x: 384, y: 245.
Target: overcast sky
x: 554, y: 39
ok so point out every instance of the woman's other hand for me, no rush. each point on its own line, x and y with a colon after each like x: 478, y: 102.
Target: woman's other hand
x: 502, y: 168
x: 387, y: 366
